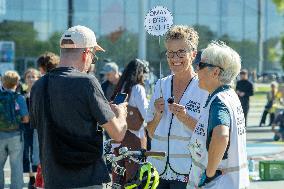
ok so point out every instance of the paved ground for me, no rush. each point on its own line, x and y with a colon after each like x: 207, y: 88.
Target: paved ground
x: 260, y: 146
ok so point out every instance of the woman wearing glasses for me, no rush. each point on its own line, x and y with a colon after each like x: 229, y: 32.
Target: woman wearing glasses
x: 174, y: 108
x: 218, y: 143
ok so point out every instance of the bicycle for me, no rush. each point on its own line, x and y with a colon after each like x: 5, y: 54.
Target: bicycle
x: 146, y: 176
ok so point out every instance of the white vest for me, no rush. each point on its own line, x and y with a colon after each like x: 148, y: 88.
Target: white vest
x: 171, y: 135
x: 235, y: 166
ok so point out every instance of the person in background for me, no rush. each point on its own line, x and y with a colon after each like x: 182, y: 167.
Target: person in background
x: 47, y: 62
x: 279, y: 121
x: 112, y: 76
x: 274, y: 98
x: 132, y: 83
x: 74, y: 114
x: 244, y: 89
x: 174, y: 109
x: 218, y: 143
x: 11, y: 143
x: 30, y: 159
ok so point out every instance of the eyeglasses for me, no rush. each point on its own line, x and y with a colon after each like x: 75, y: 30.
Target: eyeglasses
x: 95, y: 58
x: 180, y: 53
x: 203, y: 65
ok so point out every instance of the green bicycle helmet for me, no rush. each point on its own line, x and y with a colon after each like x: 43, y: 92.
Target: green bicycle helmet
x: 147, y: 177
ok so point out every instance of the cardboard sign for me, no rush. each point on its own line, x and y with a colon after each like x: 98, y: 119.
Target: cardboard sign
x: 158, y: 21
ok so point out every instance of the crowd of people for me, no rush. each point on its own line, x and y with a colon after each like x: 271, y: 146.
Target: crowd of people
x: 59, y: 116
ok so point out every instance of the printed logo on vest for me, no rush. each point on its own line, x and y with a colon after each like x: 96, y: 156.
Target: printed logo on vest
x: 200, y: 129
x: 196, y: 150
x: 240, y: 121
x: 193, y: 106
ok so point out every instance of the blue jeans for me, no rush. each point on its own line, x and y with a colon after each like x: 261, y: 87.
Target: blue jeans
x: 12, y: 147
x: 35, y: 149
x: 28, y: 150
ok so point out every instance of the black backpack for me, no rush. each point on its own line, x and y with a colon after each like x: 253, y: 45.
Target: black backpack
x: 10, y: 118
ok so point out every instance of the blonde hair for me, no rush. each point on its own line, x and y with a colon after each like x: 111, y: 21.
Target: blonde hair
x: 186, y: 33
x: 219, y: 54
x: 10, y: 79
x: 32, y: 70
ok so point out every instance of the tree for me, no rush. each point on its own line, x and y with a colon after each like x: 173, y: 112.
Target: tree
x: 22, y: 33
x: 279, y: 4
x: 28, y: 47
x: 25, y: 38
x: 280, y: 7
x: 205, y: 35
x: 120, y: 47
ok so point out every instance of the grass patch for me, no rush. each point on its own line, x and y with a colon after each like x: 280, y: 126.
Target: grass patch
x: 262, y: 89
x: 259, y: 96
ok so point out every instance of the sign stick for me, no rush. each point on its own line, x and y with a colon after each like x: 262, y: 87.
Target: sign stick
x: 157, y: 22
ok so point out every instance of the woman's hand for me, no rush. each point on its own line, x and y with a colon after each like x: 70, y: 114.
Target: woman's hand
x: 159, y: 105
x: 178, y: 110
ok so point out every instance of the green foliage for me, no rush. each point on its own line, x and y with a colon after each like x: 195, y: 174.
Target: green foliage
x: 121, y: 50
x: 21, y: 33
x: 26, y: 42
x: 121, y: 46
x: 280, y: 7
x: 279, y: 4
x: 53, y: 42
x: 205, y: 35
x: 25, y: 38
x: 124, y: 48
x: 247, y: 50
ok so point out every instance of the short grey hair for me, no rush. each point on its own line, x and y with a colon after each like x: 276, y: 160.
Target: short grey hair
x: 219, y: 54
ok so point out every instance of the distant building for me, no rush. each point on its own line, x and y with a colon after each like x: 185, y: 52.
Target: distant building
x: 236, y: 18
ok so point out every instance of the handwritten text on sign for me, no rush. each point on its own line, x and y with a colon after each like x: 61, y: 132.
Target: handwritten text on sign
x: 158, y: 21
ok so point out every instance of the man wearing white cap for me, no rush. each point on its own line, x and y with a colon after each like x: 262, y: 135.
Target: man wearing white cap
x: 67, y: 105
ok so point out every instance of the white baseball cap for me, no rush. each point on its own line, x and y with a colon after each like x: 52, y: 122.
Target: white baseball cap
x: 79, y: 37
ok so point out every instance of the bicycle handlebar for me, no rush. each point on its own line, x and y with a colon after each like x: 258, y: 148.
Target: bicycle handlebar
x: 156, y: 154
x: 136, y: 154
x: 125, y: 153
x: 145, y: 153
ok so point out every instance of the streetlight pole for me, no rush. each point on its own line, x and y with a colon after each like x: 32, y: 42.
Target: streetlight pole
x: 259, y: 35
x: 70, y: 13
x: 142, y: 34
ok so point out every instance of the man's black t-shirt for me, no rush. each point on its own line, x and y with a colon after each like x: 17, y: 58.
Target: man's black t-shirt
x: 77, y: 105
x: 246, y: 87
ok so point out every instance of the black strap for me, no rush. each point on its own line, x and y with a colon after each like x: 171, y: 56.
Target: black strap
x: 47, y: 106
x: 46, y: 97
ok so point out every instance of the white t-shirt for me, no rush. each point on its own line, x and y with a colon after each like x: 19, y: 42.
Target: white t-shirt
x: 139, y: 100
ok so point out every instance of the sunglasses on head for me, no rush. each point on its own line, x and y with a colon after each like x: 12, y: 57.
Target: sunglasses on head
x: 202, y: 65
